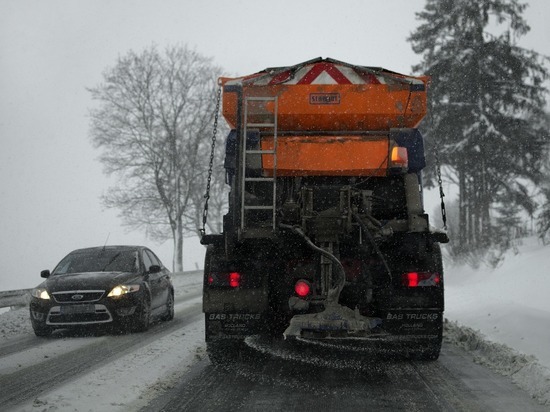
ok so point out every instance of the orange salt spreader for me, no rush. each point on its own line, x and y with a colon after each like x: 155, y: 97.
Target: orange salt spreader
x: 332, y: 118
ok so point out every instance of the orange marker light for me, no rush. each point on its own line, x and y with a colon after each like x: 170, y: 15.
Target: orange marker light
x: 399, y: 156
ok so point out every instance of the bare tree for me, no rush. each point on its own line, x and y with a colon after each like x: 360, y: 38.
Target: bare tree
x: 154, y: 123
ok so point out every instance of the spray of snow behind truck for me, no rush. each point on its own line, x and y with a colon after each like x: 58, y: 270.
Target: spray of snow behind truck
x: 326, y: 237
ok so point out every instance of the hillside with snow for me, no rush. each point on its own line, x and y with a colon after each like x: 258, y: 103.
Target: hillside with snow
x: 509, y: 304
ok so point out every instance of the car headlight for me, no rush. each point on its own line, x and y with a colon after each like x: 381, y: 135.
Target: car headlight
x: 122, y: 290
x: 40, y: 294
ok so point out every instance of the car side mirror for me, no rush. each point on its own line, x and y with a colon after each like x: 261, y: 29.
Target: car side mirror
x: 154, y: 269
x: 45, y: 273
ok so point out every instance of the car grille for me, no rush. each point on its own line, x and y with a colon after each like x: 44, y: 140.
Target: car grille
x: 77, y: 296
x: 78, y: 315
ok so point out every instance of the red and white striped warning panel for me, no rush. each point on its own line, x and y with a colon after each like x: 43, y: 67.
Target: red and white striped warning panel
x: 326, y: 71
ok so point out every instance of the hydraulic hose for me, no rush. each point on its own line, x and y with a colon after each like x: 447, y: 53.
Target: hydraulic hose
x: 365, y: 229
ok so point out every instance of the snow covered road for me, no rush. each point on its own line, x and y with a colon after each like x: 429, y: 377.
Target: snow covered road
x: 167, y: 369
x: 454, y: 383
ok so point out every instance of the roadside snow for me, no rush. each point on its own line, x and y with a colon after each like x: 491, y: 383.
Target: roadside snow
x: 15, y: 322
x: 138, y: 377
x: 507, y: 314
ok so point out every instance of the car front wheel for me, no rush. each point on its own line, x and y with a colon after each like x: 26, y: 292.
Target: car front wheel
x: 169, y: 314
x: 42, y: 331
x: 143, y: 317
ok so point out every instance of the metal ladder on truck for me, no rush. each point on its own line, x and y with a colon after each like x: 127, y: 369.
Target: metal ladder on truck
x: 249, y: 203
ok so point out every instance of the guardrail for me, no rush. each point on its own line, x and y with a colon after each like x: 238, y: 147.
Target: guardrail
x: 19, y: 297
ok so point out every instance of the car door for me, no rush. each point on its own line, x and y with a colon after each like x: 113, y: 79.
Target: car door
x: 153, y: 279
x: 163, y: 278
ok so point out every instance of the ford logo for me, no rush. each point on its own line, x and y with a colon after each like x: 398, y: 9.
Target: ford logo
x: 77, y: 297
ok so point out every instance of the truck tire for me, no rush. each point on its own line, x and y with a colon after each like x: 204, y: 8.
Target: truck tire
x: 226, y: 351
x: 431, y: 353
x: 432, y: 347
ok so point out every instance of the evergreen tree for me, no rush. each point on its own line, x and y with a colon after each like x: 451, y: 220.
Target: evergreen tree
x: 485, y: 94
x: 543, y: 222
x: 543, y: 219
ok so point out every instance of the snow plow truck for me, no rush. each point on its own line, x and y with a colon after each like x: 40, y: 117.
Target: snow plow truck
x: 326, y: 237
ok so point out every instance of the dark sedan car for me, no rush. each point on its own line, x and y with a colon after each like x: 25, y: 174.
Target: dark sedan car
x: 120, y: 286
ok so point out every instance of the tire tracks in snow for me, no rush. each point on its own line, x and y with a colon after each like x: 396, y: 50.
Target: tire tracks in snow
x: 54, y: 369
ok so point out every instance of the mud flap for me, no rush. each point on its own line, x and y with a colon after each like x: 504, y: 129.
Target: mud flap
x: 220, y: 325
x: 421, y: 323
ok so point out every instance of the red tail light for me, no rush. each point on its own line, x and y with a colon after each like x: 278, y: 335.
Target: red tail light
x: 234, y: 279
x: 302, y: 288
x: 224, y: 279
x: 420, y: 279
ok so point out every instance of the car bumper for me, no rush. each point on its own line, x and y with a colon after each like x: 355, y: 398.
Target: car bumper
x: 105, y: 311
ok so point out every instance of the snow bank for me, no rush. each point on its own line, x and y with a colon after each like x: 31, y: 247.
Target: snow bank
x: 15, y: 322
x: 525, y: 371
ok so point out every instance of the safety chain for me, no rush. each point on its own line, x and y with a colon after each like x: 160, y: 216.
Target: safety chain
x: 211, y: 165
x: 441, y: 194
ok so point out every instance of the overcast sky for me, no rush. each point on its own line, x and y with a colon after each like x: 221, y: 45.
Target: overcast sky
x: 52, y: 50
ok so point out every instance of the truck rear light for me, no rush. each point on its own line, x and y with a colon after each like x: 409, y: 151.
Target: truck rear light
x: 224, y: 279
x: 302, y: 288
x: 399, y: 157
x: 234, y: 279
x: 420, y: 279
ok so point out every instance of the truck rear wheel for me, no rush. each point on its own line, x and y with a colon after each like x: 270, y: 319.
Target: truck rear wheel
x: 432, y: 347
x: 428, y: 350
x: 226, y: 351
x: 430, y: 354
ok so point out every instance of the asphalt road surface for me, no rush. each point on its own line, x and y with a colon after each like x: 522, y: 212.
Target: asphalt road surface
x: 318, y: 382
x: 167, y: 369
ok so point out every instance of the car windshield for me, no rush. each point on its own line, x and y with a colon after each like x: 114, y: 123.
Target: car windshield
x: 98, y: 261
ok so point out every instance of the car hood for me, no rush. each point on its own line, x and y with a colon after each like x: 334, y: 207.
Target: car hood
x: 88, y: 281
